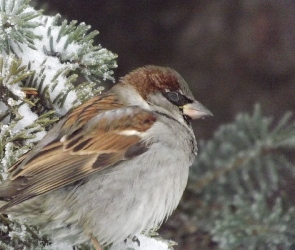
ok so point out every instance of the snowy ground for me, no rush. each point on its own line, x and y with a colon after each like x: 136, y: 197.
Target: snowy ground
x: 146, y: 243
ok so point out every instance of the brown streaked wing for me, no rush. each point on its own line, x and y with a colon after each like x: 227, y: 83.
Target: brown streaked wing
x: 74, y: 121
x: 102, y: 142
x: 92, y: 107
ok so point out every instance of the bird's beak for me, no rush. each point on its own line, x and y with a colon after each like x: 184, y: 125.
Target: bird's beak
x: 196, y: 110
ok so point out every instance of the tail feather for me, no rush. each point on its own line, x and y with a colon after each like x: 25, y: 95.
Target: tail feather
x: 2, y: 203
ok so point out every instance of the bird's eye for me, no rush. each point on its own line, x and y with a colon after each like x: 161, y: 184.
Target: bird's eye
x: 176, y: 98
x: 173, y: 96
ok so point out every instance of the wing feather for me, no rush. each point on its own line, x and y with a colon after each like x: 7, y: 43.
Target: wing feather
x: 90, y: 139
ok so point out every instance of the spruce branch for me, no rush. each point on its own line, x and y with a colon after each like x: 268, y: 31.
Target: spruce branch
x: 18, y: 236
x: 239, y: 182
x: 42, y: 63
x: 12, y: 93
x: 256, y: 225
x: 16, y: 22
x: 244, y: 157
x: 62, y: 53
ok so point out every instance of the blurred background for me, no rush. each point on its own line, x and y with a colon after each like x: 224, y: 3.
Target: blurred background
x: 232, y: 53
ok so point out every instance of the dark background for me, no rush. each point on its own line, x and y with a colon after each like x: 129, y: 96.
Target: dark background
x: 232, y: 53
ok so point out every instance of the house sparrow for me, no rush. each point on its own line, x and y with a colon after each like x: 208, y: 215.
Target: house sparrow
x: 114, y: 167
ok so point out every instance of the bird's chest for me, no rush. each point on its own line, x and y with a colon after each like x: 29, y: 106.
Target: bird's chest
x: 134, y: 197
x: 139, y: 193
x: 146, y: 180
